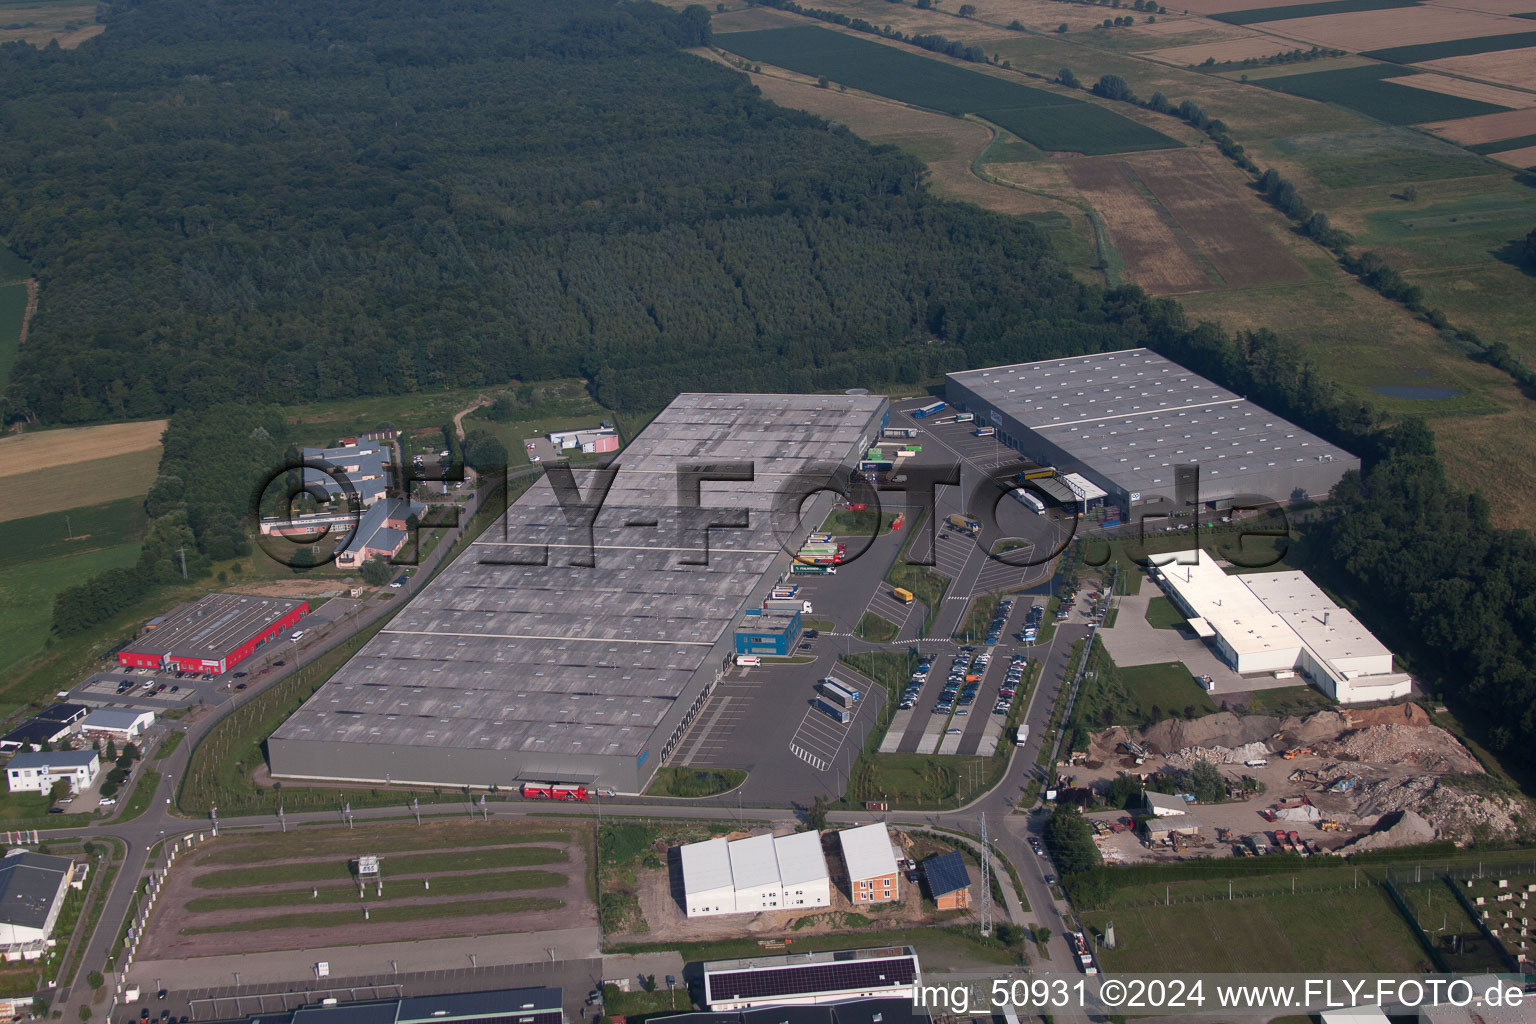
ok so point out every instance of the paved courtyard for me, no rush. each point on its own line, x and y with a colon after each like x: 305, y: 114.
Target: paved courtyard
x: 1135, y: 641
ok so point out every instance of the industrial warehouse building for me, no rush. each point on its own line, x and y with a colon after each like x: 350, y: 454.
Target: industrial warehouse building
x: 552, y: 651
x: 213, y: 634
x: 812, y: 979
x: 1281, y: 622
x: 856, y: 1011
x: 31, y: 894
x: 1125, y: 422
x: 766, y: 631
x: 751, y: 875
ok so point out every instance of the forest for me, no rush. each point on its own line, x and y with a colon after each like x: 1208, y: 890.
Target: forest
x: 260, y: 202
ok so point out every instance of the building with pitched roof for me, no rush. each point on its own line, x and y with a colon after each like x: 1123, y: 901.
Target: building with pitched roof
x: 37, y: 772
x: 213, y: 634
x: 31, y: 893
x: 755, y: 874
x: 872, y: 873
x: 381, y: 532
x: 949, y: 884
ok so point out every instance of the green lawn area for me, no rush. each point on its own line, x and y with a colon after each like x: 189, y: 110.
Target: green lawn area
x: 143, y: 793
x: 542, y: 408
x: 73, y: 531
x: 916, y: 780
x: 23, y: 806
x: 875, y: 629
x: 843, y: 523
x: 695, y: 782
x: 1350, y: 930
x: 973, y: 625
x: 447, y: 885
x: 411, y: 864
x: 168, y: 745
x: 406, y: 912
x: 1161, y: 614
x: 642, y: 1003
x: 1168, y: 686
x: 926, y: 585
x: 27, y: 592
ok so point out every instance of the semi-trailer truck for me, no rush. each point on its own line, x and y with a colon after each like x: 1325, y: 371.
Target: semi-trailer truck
x: 832, y: 711
x: 986, y: 431
x: 965, y: 417
x: 903, y: 595
x: 965, y: 523
x: 923, y: 412
x: 802, y: 569
x: 899, y: 432
x: 840, y: 693
x: 787, y: 604
x: 1028, y: 500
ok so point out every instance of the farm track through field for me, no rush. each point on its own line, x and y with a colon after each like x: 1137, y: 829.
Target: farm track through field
x: 1154, y: 257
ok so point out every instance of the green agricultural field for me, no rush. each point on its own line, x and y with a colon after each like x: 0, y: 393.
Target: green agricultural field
x: 13, y: 304
x: 70, y: 485
x: 1363, y: 89
x: 1350, y: 930
x: 1047, y: 120
x: 1378, y: 155
x: 27, y: 591
x: 1260, y: 15
x: 1453, y: 48
x: 88, y: 527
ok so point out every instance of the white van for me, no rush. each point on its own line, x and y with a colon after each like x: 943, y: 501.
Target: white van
x: 747, y: 660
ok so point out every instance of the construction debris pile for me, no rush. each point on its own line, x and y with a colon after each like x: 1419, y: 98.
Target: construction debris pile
x: 1389, y: 774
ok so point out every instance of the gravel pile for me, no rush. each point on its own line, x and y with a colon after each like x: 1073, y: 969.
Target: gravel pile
x: 1406, y: 828
x: 1427, y: 747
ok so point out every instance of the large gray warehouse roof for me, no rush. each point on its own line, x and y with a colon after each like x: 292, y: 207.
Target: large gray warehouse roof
x: 586, y: 660
x: 1132, y: 416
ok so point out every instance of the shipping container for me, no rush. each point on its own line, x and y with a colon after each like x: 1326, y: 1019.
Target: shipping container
x: 841, y: 693
x: 832, y: 711
x: 1029, y: 501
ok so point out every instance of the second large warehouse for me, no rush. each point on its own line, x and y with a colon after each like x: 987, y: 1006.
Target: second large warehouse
x: 1132, y: 423
x: 552, y: 650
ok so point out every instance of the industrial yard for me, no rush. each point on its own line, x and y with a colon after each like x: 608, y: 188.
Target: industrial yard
x: 306, y: 888
x: 1356, y: 780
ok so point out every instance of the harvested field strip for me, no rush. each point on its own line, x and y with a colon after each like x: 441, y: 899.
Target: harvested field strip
x: 50, y: 449
x: 1511, y: 124
x: 1479, y: 91
x: 411, y: 912
x: 1525, y: 158
x: 1045, y: 119
x: 296, y: 845
x: 1218, y: 221
x: 449, y: 885
x: 1364, y: 89
x: 1453, y: 48
x: 1156, y: 260
x: 1406, y: 26
x: 78, y: 483
x: 1503, y: 145
x: 1506, y: 67
x: 1309, y: 10
x: 330, y: 871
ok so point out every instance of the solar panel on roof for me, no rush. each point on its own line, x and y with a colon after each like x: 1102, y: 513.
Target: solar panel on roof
x: 946, y: 873
x: 855, y: 976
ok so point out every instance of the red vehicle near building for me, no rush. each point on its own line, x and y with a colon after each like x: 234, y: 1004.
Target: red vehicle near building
x: 554, y: 791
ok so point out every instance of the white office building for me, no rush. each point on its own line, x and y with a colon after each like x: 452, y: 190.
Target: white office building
x: 1281, y: 622
x: 36, y: 773
x: 755, y: 874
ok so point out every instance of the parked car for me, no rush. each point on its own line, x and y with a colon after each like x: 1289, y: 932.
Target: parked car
x: 297, y: 636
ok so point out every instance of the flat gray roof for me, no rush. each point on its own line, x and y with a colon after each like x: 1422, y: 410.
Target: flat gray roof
x: 572, y: 659
x: 1133, y: 416
x: 213, y: 626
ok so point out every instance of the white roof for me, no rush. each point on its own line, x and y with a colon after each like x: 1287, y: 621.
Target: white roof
x: 867, y: 851
x: 800, y: 858
x: 706, y: 866
x: 115, y: 718
x: 753, y: 863
x: 1355, y: 1015
x: 1085, y: 489
x: 1166, y: 802
x: 1331, y: 631
x: 1226, y: 604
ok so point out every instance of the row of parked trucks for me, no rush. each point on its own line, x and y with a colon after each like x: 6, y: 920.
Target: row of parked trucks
x: 1278, y: 841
